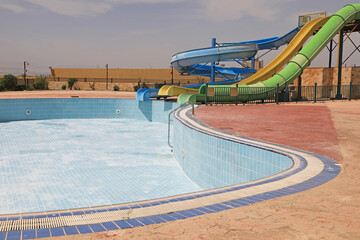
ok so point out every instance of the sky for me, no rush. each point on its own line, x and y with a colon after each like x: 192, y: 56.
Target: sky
x: 140, y: 33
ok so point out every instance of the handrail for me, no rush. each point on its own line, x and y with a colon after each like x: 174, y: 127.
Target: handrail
x: 169, y: 120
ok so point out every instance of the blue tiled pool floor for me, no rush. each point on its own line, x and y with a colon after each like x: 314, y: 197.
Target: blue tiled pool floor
x: 64, y: 164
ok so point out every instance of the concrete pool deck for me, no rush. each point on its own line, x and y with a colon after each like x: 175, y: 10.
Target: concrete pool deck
x: 330, y: 211
x: 67, y: 94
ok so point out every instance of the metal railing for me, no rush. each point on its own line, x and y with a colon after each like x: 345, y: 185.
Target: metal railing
x: 242, y: 95
x: 169, y: 117
x: 149, y: 82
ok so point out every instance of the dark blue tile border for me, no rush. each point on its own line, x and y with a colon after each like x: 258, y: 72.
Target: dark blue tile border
x: 66, y: 214
x: 134, y: 223
x: 71, y: 230
x: 123, y: 224
x: 28, y: 234
x: 83, y: 229
x: 43, y: 233
x: 145, y: 221
x: 97, y: 227
x: 113, y: 209
x: 110, y: 226
x: 156, y: 219
x: 56, y: 232
x: 13, y: 235
x: 3, y: 235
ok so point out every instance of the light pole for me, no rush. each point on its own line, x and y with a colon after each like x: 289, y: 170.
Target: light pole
x: 340, y: 57
x: 107, y: 75
x: 26, y: 63
x: 172, y: 74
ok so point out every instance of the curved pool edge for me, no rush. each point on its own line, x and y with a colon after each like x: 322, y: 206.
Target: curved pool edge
x: 309, y: 171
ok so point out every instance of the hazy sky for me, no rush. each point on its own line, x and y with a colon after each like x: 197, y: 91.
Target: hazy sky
x: 138, y: 33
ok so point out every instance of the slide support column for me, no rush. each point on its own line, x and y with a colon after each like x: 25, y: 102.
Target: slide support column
x: 212, y: 77
x: 340, y: 53
x: 330, y: 53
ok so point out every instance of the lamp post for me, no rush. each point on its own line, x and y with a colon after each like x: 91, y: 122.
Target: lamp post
x: 172, y: 74
x: 340, y: 55
x: 107, y: 75
x: 26, y: 63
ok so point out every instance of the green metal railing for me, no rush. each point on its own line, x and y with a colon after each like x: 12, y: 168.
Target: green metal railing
x: 242, y: 95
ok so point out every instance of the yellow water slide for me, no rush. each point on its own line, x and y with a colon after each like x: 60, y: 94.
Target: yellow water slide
x: 173, y: 90
x: 289, y: 52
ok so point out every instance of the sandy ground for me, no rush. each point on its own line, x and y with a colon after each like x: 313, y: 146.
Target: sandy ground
x: 330, y: 211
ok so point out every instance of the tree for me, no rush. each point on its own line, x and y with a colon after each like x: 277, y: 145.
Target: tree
x: 71, y: 82
x: 9, y: 82
x: 41, y: 83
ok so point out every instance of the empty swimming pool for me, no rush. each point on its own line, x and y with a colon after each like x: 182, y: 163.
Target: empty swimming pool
x: 64, y: 164
x: 81, y: 153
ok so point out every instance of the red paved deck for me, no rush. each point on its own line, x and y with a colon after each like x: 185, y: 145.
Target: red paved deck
x: 308, y: 127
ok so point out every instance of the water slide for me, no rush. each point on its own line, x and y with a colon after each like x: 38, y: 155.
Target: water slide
x: 299, y: 62
x: 188, y: 61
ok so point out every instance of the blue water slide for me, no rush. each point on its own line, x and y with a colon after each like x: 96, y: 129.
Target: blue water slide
x: 188, y: 61
x: 182, y: 60
x: 224, y: 72
x: 271, y: 43
x: 144, y: 94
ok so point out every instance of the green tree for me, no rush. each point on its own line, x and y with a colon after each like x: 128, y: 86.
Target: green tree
x: 9, y: 82
x: 71, y: 82
x: 41, y: 83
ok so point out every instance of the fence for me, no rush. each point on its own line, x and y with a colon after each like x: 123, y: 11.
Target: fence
x: 242, y: 95
x: 151, y: 83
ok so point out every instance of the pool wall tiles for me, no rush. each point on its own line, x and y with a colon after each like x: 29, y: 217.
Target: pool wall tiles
x: 16, y: 109
x: 213, y: 162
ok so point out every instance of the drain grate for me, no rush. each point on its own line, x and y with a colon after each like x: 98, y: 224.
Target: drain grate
x: 63, y: 221
x: 26, y: 224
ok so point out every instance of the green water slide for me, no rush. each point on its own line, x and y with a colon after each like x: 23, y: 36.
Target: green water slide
x: 294, y: 67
